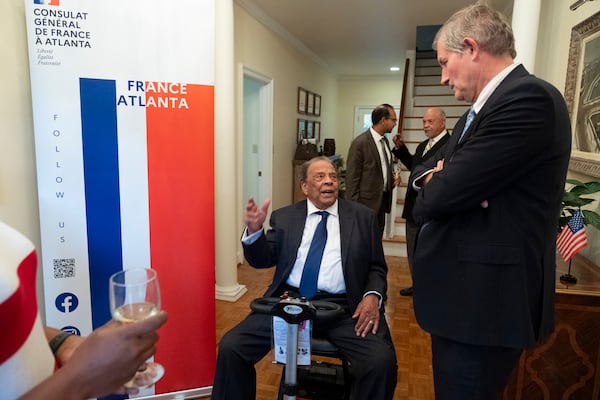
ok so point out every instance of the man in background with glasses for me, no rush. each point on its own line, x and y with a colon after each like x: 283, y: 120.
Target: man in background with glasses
x: 369, y: 176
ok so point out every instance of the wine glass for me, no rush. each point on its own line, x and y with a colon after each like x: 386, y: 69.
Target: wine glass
x: 397, y: 172
x: 135, y: 295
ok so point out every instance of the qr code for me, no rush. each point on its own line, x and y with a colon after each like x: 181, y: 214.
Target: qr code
x: 64, y: 267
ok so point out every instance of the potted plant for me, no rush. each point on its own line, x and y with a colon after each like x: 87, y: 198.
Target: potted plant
x: 568, y: 240
x: 573, y: 200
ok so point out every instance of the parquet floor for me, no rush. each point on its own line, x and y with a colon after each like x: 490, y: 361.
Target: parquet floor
x: 413, y: 348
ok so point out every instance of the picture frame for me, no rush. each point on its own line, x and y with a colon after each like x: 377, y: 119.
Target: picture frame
x: 301, y: 130
x: 310, y: 131
x: 317, y: 105
x: 317, y: 131
x: 310, y: 103
x: 302, y: 100
x: 582, y: 96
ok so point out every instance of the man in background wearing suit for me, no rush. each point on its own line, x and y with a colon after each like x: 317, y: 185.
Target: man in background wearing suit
x: 352, y: 273
x: 369, y: 177
x: 434, y: 126
x: 484, y: 262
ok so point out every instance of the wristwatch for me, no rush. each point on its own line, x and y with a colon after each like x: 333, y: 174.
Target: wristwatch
x: 58, y: 340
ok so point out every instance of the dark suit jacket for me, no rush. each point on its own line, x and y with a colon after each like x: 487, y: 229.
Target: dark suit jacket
x: 362, y: 252
x: 364, y: 181
x: 411, y: 161
x: 486, y: 276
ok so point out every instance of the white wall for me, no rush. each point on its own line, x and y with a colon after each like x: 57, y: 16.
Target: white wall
x: 18, y: 184
x: 18, y: 190
x: 556, y: 21
x: 263, y: 51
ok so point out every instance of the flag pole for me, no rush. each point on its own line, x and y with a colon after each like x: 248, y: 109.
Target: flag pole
x: 567, y: 278
x: 571, y: 240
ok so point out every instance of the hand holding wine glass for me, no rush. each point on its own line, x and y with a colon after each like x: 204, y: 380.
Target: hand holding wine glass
x: 397, y: 173
x: 134, y: 296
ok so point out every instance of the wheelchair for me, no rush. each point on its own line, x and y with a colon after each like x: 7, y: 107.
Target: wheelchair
x: 319, y: 381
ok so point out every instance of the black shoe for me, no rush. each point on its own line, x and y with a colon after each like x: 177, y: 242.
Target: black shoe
x: 406, y: 291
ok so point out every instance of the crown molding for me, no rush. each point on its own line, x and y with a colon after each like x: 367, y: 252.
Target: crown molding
x: 257, y: 13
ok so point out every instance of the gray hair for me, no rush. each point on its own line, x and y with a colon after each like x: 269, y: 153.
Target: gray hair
x: 489, y: 28
x: 304, y: 168
x: 440, y: 111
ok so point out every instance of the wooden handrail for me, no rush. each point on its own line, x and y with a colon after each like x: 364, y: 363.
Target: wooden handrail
x: 403, y: 99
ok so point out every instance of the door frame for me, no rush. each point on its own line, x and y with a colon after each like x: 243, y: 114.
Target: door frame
x: 266, y: 143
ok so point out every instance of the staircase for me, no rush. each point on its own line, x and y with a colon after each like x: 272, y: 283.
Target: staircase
x: 422, y: 92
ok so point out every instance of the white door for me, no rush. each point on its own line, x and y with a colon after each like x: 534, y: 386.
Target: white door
x: 257, y: 136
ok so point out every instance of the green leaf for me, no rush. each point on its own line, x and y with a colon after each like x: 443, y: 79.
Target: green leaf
x: 569, y: 197
x: 575, y: 182
x: 571, y: 200
x: 591, y: 218
x: 586, y: 188
x: 593, y: 187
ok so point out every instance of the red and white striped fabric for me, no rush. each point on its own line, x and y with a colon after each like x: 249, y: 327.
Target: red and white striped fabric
x: 25, y: 358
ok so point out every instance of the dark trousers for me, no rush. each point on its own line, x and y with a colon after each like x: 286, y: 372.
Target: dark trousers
x: 373, y: 364
x: 411, y: 239
x: 384, y: 208
x: 470, y: 372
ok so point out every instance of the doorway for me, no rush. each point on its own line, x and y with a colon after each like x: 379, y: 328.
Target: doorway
x: 257, y: 136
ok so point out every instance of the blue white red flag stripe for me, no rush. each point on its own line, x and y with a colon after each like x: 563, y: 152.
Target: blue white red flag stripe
x: 181, y: 208
x: 101, y: 181
x: 180, y: 217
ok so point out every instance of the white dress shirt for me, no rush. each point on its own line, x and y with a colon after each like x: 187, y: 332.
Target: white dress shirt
x: 377, y: 138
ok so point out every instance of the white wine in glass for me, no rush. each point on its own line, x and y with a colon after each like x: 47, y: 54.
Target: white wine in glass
x: 135, y: 295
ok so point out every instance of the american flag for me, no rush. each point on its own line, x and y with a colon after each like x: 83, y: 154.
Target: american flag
x: 572, y: 237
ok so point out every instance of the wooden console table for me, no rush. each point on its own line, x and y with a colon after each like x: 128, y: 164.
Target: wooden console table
x: 566, y: 366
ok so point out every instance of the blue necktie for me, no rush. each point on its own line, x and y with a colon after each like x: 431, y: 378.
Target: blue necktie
x: 470, y: 117
x: 310, y: 274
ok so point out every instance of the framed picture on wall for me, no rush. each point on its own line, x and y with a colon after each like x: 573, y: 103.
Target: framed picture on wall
x: 582, y: 95
x: 301, y: 128
x: 317, y: 130
x: 310, y: 103
x: 310, y: 132
x: 301, y: 101
x: 317, y: 105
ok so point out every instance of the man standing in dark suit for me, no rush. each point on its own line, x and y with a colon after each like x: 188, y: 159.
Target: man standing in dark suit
x: 369, y: 177
x: 484, y: 262
x: 434, y: 126
x: 352, y: 273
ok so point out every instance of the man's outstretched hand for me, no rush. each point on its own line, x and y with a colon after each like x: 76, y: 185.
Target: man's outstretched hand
x: 255, y: 216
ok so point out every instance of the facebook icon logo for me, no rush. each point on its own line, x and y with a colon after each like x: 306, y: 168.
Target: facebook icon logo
x: 71, y: 329
x: 66, y: 302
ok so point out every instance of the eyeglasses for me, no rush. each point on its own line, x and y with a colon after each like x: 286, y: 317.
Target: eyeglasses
x: 393, y: 119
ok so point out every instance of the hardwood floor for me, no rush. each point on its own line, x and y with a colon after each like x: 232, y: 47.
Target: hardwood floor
x: 413, y: 348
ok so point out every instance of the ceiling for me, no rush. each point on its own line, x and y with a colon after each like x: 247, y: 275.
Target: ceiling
x: 355, y: 37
